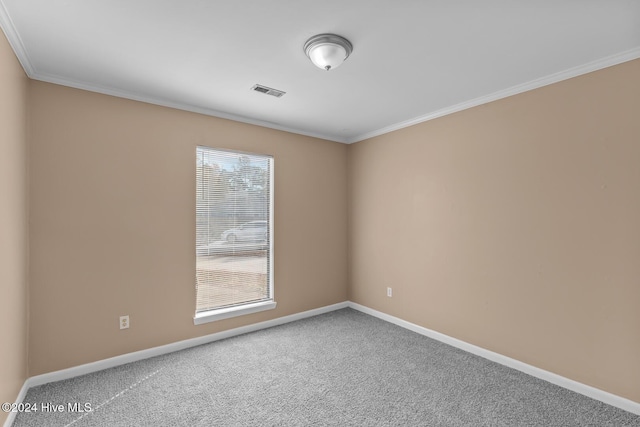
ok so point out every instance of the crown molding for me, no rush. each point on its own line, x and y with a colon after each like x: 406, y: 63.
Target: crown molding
x: 177, y: 105
x: 17, y: 45
x: 14, y: 40
x: 6, y: 23
x: 589, y: 67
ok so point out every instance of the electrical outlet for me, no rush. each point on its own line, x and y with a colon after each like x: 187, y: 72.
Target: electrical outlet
x: 124, y: 322
x: 389, y: 292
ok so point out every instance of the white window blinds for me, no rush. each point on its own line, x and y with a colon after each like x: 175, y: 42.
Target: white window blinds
x: 234, y: 215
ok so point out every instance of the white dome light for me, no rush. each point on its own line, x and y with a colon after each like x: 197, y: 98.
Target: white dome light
x: 327, y: 51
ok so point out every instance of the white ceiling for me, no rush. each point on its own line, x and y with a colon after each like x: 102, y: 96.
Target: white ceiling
x: 413, y: 59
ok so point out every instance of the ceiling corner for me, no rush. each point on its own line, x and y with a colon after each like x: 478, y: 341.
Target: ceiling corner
x: 14, y: 40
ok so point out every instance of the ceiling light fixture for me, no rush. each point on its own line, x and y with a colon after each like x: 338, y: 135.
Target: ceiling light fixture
x: 327, y: 51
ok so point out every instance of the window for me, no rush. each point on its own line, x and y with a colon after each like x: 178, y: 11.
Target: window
x: 234, y: 229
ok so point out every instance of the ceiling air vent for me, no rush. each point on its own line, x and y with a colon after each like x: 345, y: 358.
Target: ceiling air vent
x: 267, y: 90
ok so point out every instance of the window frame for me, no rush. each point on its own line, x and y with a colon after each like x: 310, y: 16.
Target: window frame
x: 216, y: 314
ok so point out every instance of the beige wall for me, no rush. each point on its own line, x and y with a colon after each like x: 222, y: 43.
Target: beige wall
x: 13, y: 224
x: 514, y: 226
x: 113, y: 223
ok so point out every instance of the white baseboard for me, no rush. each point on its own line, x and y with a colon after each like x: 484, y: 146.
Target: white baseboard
x: 164, y: 349
x: 586, y: 390
x: 12, y: 415
x: 589, y: 391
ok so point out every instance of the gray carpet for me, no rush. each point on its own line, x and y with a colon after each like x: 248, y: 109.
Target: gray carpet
x: 343, y: 368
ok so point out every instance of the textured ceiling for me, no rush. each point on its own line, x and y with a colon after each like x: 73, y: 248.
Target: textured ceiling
x: 413, y: 59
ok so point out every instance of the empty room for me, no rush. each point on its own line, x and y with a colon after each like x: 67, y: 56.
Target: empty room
x: 346, y: 213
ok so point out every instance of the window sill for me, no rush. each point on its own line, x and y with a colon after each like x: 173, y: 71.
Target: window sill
x: 226, y: 313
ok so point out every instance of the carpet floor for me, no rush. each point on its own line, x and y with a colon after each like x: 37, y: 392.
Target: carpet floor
x: 342, y: 368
